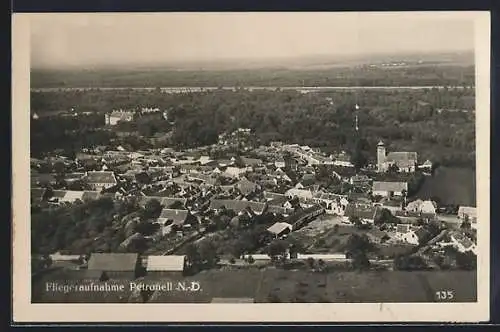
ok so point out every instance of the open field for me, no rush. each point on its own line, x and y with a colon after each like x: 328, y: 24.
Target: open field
x: 276, y: 285
x: 453, y: 186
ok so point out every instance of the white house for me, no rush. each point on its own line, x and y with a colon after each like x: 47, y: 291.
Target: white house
x: 469, y: 213
x: 386, y: 188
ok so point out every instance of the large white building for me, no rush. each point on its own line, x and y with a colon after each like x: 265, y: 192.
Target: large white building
x: 114, y: 117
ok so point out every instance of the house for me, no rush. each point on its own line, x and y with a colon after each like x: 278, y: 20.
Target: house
x: 405, y: 161
x: 114, y: 117
x: 300, y: 193
x: 405, y: 233
x: 173, y: 217
x: 333, y: 203
x: 301, y: 217
x: 389, y: 189
x: 58, y: 257
x: 280, y: 163
x: 360, y: 180
x: 246, y: 187
x: 365, y: 213
x: 251, y: 162
x: 166, y: 265
x: 426, y: 167
x: 166, y: 202
x: 342, y: 159
x: 462, y: 242
x: 279, y: 229
x: 113, y: 265
x: 234, y: 172
x: 99, y: 180
x: 468, y: 213
x: 393, y: 205
x: 426, y: 207
x: 237, y: 206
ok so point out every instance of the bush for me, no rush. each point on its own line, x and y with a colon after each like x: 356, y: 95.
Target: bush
x: 250, y: 260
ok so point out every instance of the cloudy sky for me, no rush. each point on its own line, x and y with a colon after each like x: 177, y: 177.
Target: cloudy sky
x: 162, y: 38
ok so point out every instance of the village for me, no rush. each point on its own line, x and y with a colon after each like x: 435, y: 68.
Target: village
x: 276, y: 205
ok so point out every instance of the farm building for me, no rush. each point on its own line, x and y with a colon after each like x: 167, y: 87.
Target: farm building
x: 279, y: 229
x: 99, y: 180
x: 167, y: 265
x: 113, y: 265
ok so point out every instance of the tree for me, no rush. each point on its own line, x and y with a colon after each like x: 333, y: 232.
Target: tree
x: 310, y: 262
x: 193, y: 256
x: 355, y: 220
x: 357, y: 248
x: 466, y: 260
x: 250, y: 260
x: 152, y: 209
x: 383, y: 216
x: 336, y: 229
x: 409, y: 263
x: 277, y: 249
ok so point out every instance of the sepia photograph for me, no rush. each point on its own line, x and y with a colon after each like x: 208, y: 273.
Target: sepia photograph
x: 324, y: 166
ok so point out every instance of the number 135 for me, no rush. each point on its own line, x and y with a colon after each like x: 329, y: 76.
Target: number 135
x: 444, y: 295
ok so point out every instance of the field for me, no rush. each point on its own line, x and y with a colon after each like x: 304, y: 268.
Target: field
x: 452, y: 186
x: 275, y: 285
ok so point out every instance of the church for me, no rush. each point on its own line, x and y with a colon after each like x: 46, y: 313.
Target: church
x: 405, y: 161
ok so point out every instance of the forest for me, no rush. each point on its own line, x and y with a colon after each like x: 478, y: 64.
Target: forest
x: 416, y: 75
x: 437, y: 123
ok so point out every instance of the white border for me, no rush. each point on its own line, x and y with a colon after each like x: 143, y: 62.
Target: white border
x: 24, y: 311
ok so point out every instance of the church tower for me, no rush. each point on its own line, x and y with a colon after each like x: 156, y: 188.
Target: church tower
x: 380, y: 156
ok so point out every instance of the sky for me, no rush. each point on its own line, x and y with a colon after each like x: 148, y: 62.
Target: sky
x: 80, y: 40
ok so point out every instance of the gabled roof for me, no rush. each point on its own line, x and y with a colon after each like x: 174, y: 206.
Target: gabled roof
x: 271, y: 195
x: 173, y: 263
x: 251, y: 161
x: 164, y: 201
x: 403, y: 228
x: 389, y: 186
x: 237, y: 205
x: 279, y: 227
x: 245, y: 186
x: 72, y: 196
x: 112, y: 262
x: 401, y: 156
x: 468, y: 210
x: 177, y: 216
x: 101, y: 177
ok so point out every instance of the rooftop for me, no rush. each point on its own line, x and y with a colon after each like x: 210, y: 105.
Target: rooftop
x: 174, y: 263
x: 113, y: 262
